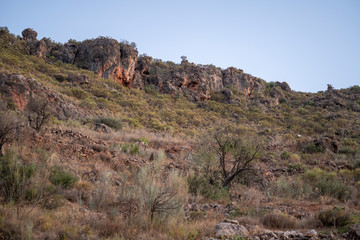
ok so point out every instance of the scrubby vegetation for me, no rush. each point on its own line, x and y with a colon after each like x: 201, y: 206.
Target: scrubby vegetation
x: 124, y: 163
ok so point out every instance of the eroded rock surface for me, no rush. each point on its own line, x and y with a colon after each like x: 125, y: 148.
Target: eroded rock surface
x: 21, y: 89
x: 120, y: 62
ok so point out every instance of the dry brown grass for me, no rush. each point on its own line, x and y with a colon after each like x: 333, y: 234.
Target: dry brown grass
x: 251, y: 198
x: 130, y: 135
x: 191, y: 230
x: 249, y: 220
x: 278, y: 220
x: 308, y: 223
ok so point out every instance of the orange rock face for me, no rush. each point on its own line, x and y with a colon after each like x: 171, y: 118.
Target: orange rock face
x: 108, y: 59
x: 120, y: 62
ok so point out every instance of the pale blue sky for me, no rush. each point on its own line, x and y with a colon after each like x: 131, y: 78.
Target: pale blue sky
x: 307, y: 43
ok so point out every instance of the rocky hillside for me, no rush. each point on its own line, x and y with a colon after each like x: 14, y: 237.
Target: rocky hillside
x: 97, y: 142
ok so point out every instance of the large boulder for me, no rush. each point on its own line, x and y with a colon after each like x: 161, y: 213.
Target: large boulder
x: 29, y: 34
x: 108, y: 59
x: 236, y: 78
x: 284, y: 86
x: 230, y: 229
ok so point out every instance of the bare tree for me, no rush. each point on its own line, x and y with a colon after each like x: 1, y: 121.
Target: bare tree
x: 229, y: 154
x: 10, y: 124
x: 38, y: 113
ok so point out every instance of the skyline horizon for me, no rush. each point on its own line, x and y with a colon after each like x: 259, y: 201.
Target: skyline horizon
x: 154, y: 58
x: 307, y: 45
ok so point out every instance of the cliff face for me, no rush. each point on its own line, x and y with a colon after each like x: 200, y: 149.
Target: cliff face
x: 108, y: 59
x: 197, y: 81
x: 120, y: 61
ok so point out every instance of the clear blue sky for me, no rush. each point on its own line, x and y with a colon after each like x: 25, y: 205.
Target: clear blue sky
x: 307, y: 43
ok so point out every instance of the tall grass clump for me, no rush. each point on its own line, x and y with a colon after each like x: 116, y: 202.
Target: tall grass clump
x: 155, y: 194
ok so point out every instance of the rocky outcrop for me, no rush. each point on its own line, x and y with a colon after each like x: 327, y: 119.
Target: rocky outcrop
x: 108, y: 59
x: 198, y: 81
x: 29, y: 36
x: 229, y: 229
x: 233, y: 77
x: 19, y: 90
x: 119, y: 61
x: 46, y: 47
x: 335, y: 99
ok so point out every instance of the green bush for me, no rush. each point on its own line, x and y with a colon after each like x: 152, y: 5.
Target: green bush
x: 327, y: 183
x: 200, y: 186
x: 134, y: 149
x: 285, y: 155
x: 313, y: 148
x: 60, y: 177
x: 79, y: 93
x: 113, y: 123
x: 348, y: 150
x: 88, y: 103
x: 311, y: 185
x: 15, y: 178
x: 125, y: 147
x: 144, y: 140
x: 291, y: 188
x: 54, y: 202
x: 296, y: 166
x: 130, y: 148
x: 335, y: 217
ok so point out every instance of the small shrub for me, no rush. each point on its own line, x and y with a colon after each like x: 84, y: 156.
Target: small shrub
x: 313, y: 148
x: 278, y: 220
x: 88, y: 103
x: 108, y: 227
x: 79, y: 93
x: 285, y: 155
x: 200, y: 186
x: 290, y: 188
x: 349, y: 147
x: 99, y: 147
x: 336, y: 217
x: 125, y: 147
x: 134, y: 149
x: 155, y: 195
x: 15, y: 178
x: 296, y: 166
x: 144, y: 140
x: 348, y: 150
x: 62, y: 178
x: 106, y: 157
x: 111, y: 122
x: 130, y: 148
x: 38, y: 113
x: 54, y: 202
x: 327, y: 183
x: 134, y: 122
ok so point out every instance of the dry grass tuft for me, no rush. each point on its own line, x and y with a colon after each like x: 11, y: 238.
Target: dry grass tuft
x: 249, y: 220
x: 278, y: 220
